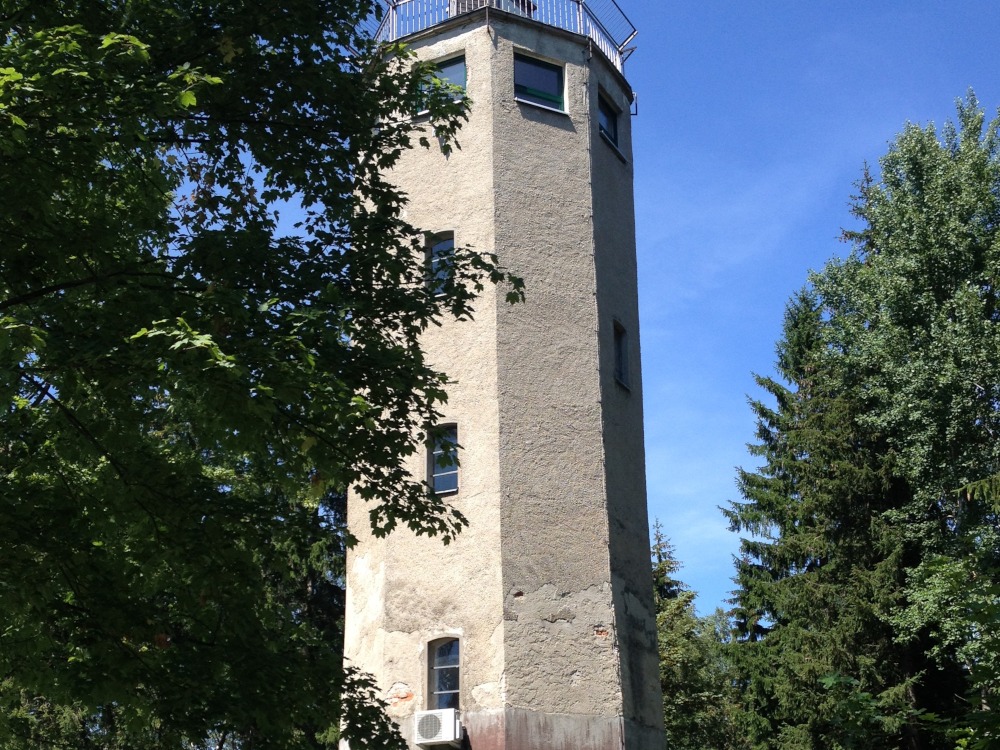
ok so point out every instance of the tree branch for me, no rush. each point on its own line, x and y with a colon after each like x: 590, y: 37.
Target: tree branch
x: 63, y: 286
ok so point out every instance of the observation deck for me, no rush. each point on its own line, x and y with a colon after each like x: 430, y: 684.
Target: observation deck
x: 601, y: 20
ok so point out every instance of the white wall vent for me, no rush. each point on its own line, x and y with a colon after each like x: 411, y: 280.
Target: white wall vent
x: 440, y: 727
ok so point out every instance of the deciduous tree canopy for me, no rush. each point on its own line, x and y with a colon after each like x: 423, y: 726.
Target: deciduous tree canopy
x: 210, y: 306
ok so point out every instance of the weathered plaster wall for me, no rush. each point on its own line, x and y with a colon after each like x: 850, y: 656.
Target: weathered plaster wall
x: 625, y: 468
x: 560, y: 638
x: 410, y: 590
x: 549, y: 587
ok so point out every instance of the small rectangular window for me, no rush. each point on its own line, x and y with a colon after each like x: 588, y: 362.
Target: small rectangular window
x: 538, y: 82
x: 443, y: 673
x: 621, y: 354
x: 607, y: 120
x: 452, y: 71
x: 442, y: 472
x: 440, y: 260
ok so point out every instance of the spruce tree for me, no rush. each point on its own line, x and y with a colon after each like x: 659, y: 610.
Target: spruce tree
x: 924, y: 319
x: 867, y: 583
x: 699, y: 697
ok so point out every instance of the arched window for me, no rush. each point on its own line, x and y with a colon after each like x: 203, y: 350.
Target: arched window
x: 442, y: 673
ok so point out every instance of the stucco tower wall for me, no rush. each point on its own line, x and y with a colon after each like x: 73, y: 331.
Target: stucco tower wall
x: 560, y: 642
x: 549, y: 588
x: 405, y: 591
x: 580, y: 637
x: 625, y: 465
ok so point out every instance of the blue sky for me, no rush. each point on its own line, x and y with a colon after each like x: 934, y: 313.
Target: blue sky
x: 755, y: 120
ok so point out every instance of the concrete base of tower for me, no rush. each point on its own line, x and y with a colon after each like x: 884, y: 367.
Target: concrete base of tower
x: 523, y: 729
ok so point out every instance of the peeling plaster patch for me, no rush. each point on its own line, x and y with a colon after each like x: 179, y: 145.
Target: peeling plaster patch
x: 399, y: 693
x: 486, y: 694
x: 600, y: 631
x: 496, y: 639
x: 563, y: 615
x: 555, y: 636
x: 362, y: 568
x: 634, y: 604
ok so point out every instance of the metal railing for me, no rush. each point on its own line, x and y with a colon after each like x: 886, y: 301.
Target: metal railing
x: 601, y: 20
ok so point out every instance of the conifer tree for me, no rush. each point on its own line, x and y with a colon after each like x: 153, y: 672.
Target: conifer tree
x: 860, y: 546
x: 699, y: 698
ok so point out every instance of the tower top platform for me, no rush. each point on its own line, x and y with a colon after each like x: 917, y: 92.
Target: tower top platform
x: 600, y: 20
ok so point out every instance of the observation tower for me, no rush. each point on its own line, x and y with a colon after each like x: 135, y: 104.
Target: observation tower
x: 534, y: 629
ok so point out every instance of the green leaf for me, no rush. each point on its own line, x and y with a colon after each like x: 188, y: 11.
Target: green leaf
x: 168, y: 341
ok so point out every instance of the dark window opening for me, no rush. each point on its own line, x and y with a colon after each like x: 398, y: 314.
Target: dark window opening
x: 607, y: 120
x: 452, y: 71
x: 440, y: 260
x: 538, y: 82
x: 621, y: 354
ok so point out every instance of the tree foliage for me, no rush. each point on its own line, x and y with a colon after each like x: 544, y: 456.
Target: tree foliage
x: 699, y: 696
x: 867, y: 586
x: 210, y: 310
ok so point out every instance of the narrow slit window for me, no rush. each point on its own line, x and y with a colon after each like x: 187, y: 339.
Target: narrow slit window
x: 607, y: 120
x: 443, y: 674
x: 621, y: 354
x: 443, y: 460
x: 538, y: 82
x: 440, y: 260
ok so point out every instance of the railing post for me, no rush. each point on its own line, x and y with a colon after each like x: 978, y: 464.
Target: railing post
x: 579, y: 17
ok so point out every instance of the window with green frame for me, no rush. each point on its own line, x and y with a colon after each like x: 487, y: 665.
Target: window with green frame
x: 538, y: 82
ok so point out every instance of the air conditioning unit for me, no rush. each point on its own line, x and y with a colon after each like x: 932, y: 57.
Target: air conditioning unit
x: 440, y: 727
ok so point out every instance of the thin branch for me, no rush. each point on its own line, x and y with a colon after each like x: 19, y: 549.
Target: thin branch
x: 63, y: 286
x: 88, y: 435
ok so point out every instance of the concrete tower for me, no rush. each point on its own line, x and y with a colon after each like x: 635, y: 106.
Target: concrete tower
x: 535, y: 628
